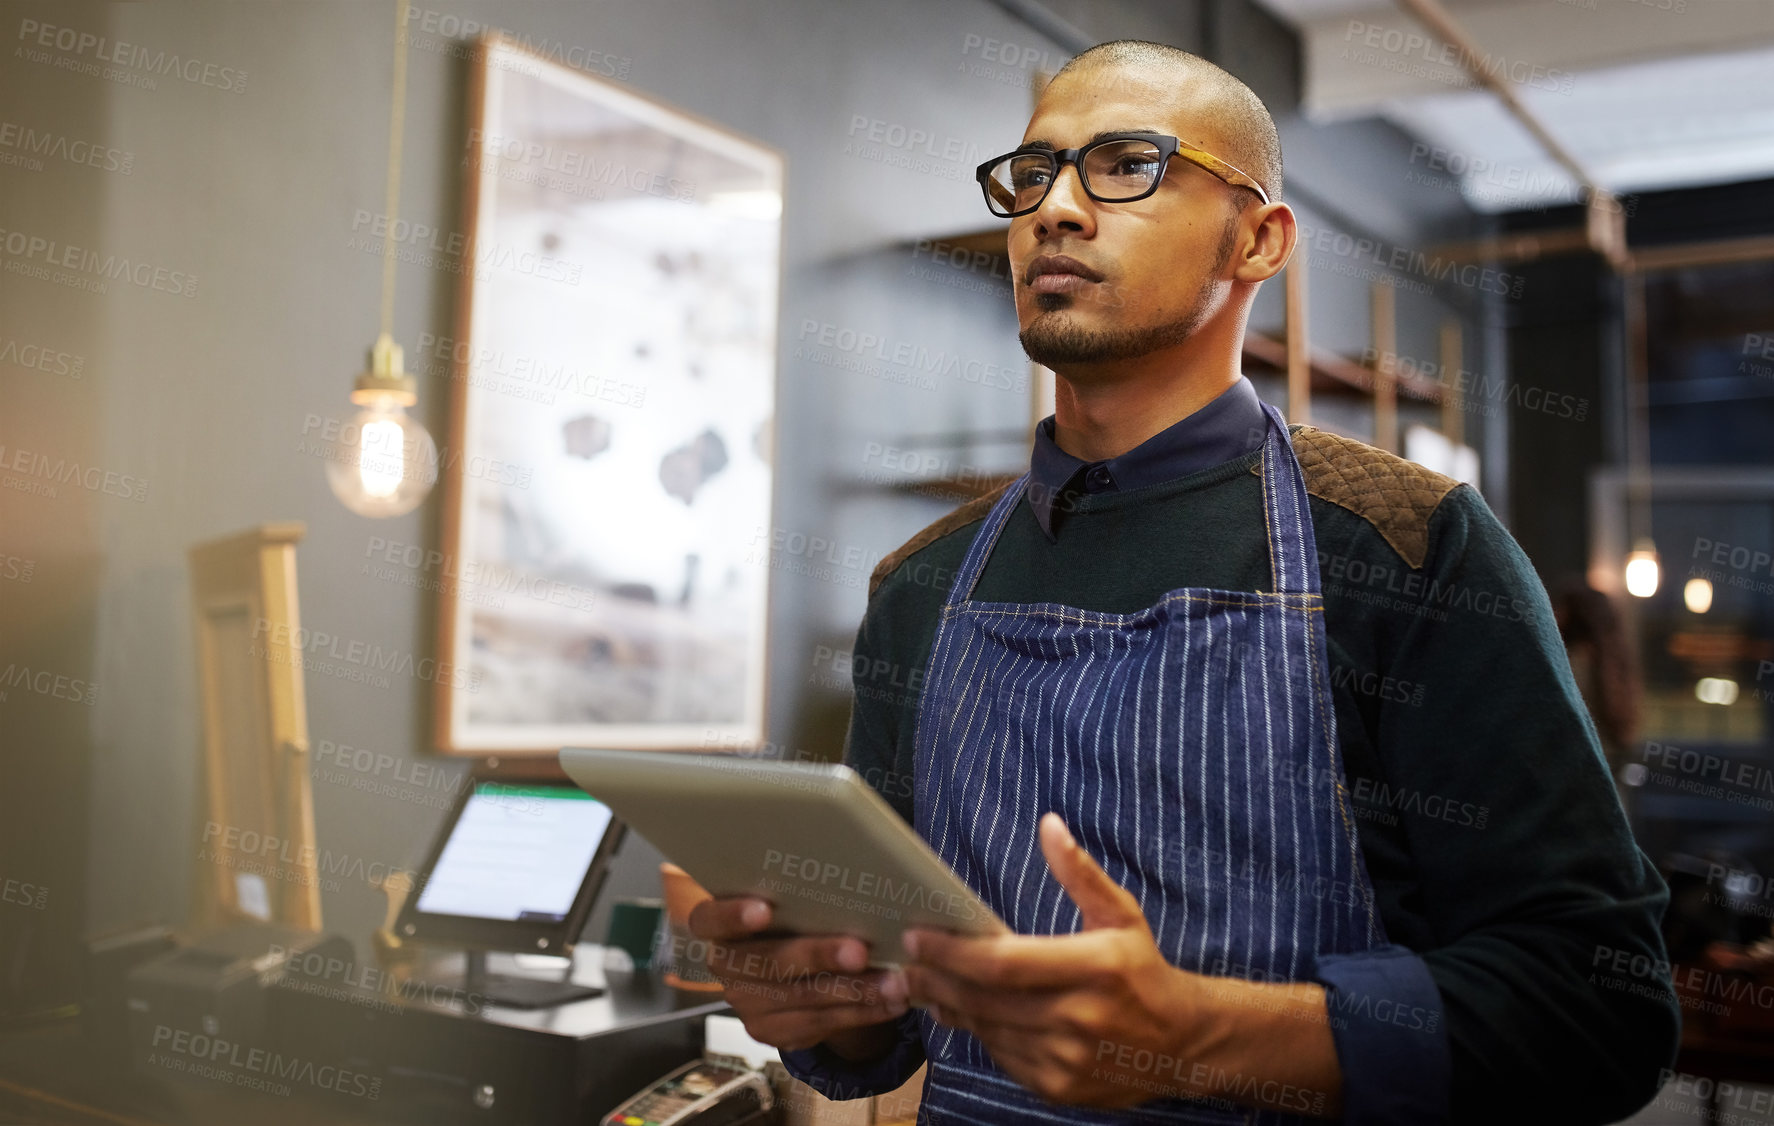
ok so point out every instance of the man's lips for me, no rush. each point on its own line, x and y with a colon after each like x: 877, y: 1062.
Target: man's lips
x: 1057, y: 273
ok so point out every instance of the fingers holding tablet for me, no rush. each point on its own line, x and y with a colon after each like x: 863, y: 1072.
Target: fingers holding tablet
x: 798, y: 990
x: 729, y: 917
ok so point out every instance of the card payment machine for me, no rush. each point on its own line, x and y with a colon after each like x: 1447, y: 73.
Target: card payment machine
x: 703, y: 1093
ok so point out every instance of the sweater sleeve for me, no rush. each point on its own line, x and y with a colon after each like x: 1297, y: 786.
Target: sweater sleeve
x: 1391, y: 1043
x: 1528, y: 872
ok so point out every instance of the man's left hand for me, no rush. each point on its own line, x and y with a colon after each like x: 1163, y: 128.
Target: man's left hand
x: 1096, y: 1018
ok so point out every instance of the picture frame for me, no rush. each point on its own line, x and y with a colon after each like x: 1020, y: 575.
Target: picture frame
x: 608, y: 467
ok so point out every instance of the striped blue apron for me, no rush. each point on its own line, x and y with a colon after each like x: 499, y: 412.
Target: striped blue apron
x: 1191, y: 749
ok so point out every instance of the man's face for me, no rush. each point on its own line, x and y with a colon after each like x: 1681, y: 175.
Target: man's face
x: 1153, y: 267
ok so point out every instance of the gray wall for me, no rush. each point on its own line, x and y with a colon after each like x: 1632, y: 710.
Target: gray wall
x: 204, y: 397
x: 52, y: 548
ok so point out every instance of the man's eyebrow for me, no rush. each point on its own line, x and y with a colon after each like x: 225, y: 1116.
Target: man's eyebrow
x: 1099, y: 135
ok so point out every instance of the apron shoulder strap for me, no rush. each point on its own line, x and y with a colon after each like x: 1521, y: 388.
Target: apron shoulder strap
x: 1003, y: 503
x: 1287, y: 515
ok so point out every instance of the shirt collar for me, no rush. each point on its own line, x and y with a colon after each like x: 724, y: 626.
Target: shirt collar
x: 1229, y: 427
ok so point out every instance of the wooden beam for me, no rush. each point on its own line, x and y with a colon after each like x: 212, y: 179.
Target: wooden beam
x: 1545, y: 244
x: 1524, y: 247
x: 1299, y: 348
x: 1384, y: 330
x: 1453, y: 356
x: 1714, y: 252
x: 1605, y: 226
x: 1473, y: 60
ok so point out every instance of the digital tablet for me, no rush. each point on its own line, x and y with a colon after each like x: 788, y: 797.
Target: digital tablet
x: 812, y: 838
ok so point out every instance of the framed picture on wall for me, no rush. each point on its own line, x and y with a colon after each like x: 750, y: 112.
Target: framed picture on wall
x: 607, y: 476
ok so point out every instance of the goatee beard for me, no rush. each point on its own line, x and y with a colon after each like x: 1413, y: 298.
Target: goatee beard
x: 1054, y: 342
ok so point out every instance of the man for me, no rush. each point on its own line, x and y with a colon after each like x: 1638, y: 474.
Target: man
x: 1261, y: 739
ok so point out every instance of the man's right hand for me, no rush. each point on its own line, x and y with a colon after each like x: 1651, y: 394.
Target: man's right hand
x: 795, y: 992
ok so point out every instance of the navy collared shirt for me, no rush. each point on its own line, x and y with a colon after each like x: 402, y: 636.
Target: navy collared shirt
x: 1230, y: 426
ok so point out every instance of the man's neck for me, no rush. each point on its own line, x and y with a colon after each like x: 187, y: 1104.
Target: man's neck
x: 1105, y: 412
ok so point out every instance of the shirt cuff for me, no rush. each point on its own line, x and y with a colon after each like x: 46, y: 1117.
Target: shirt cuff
x: 838, y: 1078
x: 1391, y: 1036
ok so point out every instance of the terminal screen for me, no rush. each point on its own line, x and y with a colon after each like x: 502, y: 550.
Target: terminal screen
x: 517, y: 853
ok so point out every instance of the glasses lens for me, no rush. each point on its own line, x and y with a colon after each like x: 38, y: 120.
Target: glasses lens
x: 1018, y: 181
x: 1122, y: 169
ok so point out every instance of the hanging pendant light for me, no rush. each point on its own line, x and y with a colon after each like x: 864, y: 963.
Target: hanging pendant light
x: 385, y: 462
x: 1697, y: 595
x: 1643, y: 571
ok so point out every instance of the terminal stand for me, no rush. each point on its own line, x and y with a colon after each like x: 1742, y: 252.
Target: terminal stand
x: 522, y: 992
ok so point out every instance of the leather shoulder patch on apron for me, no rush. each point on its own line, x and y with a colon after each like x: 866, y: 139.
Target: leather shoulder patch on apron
x: 1394, y: 495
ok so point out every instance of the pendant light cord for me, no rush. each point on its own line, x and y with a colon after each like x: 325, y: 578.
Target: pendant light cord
x: 1638, y: 417
x: 396, y: 123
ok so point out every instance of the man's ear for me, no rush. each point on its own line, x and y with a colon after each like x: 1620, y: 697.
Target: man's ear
x: 1273, y: 231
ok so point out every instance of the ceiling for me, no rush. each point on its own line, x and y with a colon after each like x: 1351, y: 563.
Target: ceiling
x: 1646, y: 94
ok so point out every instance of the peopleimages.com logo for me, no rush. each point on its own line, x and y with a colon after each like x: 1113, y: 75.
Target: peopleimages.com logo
x: 870, y: 892
x: 83, y: 51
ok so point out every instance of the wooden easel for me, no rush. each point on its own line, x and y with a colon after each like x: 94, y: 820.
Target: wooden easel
x: 255, y: 734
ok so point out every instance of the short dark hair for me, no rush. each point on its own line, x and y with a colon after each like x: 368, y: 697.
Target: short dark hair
x: 1244, y: 120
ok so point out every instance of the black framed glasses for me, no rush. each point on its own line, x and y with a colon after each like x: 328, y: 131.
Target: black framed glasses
x: 1119, y: 168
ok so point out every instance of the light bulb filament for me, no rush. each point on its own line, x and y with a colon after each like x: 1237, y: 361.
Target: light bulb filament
x: 379, y: 466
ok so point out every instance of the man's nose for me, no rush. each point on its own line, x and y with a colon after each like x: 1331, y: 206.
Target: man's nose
x: 1067, y: 206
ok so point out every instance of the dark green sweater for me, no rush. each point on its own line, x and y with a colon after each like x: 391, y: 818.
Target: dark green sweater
x: 1486, y: 815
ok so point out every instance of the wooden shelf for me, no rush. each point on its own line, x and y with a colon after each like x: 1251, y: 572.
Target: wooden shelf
x: 1335, y: 374
x: 989, y: 241
x: 948, y: 489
